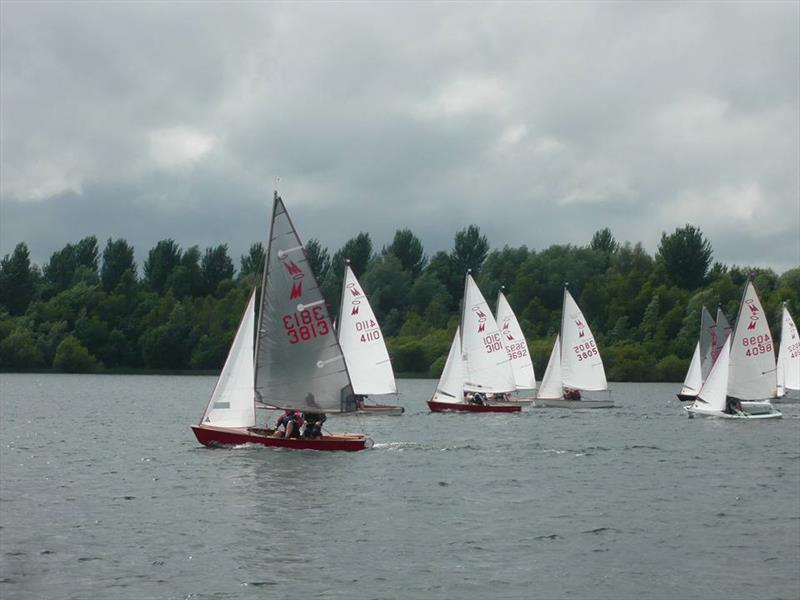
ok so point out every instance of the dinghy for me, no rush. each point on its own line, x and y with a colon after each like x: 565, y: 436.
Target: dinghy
x: 286, y: 357
x: 702, y: 358
x: 574, y: 366
x: 364, y: 350
x: 743, y: 376
x: 788, y: 366
x: 517, y: 350
x: 478, y: 369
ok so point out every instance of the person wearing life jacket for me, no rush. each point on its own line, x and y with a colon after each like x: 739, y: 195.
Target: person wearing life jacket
x: 291, y: 421
x: 314, y: 421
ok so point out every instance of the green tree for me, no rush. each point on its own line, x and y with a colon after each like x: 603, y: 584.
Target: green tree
x: 387, y: 285
x: 686, y: 255
x: 408, y: 250
x: 469, y: 251
x: 252, y: 263
x: 187, y: 279
x: 72, y: 357
x: 216, y: 267
x: 318, y: 259
x: 161, y: 261
x: 603, y: 241
x: 19, y: 350
x: 17, y: 280
x: 117, y: 260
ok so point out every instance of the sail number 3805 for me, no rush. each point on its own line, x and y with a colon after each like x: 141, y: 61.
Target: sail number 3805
x: 305, y: 325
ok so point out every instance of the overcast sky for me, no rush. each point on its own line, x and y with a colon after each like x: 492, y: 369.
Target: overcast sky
x: 539, y: 122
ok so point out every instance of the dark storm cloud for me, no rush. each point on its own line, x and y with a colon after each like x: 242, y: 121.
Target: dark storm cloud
x: 540, y: 122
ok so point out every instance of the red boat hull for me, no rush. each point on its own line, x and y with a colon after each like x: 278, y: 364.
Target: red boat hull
x: 224, y: 436
x: 481, y: 408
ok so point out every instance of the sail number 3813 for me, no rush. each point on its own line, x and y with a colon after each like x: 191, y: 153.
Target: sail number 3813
x: 305, y: 325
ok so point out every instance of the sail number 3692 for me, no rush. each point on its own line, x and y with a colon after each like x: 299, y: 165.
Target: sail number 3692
x: 305, y: 325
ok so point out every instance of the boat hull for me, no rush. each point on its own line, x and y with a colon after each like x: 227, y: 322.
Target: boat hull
x: 561, y: 403
x: 687, y: 397
x: 723, y: 415
x: 474, y: 408
x: 236, y: 436
x: 756, y: 407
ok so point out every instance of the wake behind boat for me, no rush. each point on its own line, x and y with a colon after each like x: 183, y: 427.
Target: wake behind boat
x: 477, y: 375
x: 291, y: 359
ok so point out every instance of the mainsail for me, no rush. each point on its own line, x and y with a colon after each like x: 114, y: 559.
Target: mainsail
x: 515, y: 345
x: 581, y: 365
x: 451, y: 382
x: 486, y: 365
x: 721, y: 332
x: 788, y: 356
x: 708, y: 333
x: 752, y: 357
x: 299, y: 362
x: 362, y: 342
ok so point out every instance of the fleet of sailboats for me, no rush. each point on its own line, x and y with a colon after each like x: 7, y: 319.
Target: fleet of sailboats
x: 286, y: 354
x: 478, y: 370
x: 743, y: 378
x: 575, y: 365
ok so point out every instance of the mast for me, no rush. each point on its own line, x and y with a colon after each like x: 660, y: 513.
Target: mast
x: 261, y: 302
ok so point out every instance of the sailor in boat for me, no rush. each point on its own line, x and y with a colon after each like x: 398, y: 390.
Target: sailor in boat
x: 733, y: 406
x: 476, y: 398
x: 313, y: 428
x: 291, y: 421
x: 572, y: 394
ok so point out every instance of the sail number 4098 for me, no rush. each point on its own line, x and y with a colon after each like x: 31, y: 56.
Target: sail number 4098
x: 305, y: 325
x: 757, y: 344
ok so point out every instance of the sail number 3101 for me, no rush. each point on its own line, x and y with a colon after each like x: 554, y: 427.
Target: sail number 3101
x: 305, y: 325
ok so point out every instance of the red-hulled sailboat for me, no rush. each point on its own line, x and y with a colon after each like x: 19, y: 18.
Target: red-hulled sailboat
x: 285, y: 357
x: 478, y: 369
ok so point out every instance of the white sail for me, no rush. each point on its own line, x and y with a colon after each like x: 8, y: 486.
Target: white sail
x: 694, y: 379
x: 752, y: 357
x: 231, y: 403
x: 551, y: 382
x: 299, y: 362
x: 486, y: 364
x: 788, y: 367
x: 362, y: 342
x: 515, y: 345
x: 581, y: 365
x: 712, y: 396
x: 721, y: 332
x: 708, y: 331
x: 451, y: 383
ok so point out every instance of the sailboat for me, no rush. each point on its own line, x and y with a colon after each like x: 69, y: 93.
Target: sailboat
x: 516, y: 348
x: 285, y: 357
x: 702, y: 358
x: 575, y: 364
x: 364, y: 350
x: 743, y: 376
x: 478, y: 369
x: 719, y: 334
x: 788, y: 367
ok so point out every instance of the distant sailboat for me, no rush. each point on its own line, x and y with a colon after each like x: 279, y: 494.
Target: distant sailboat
x: 364, y: 349
x: 743, y: 377
x: 702, y: 359
x: 287, y: 357
x: 516, y: 347
x: 574, y: 366
x: 719, y: 334
x: 477, y: 368
x: 788, y: 366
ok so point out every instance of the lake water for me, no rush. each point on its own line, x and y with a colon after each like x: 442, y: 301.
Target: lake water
x: 105, y: 493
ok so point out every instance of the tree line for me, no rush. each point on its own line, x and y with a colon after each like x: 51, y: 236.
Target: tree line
x: 90, y: 311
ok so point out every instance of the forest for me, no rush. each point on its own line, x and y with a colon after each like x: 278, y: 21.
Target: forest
x: 91, y: 310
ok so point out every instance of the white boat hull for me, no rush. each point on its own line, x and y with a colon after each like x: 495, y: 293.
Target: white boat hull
x: 723, y: 415
x: 561, y: 403
x: 757, y: 408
